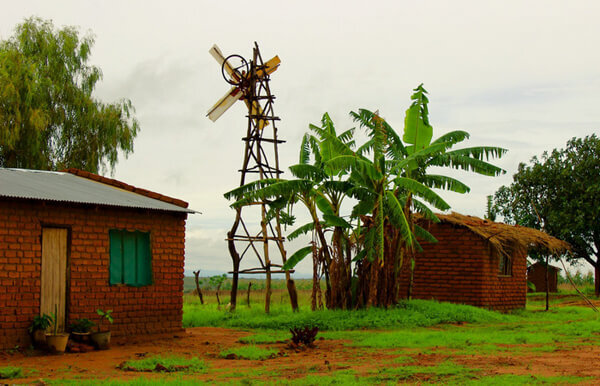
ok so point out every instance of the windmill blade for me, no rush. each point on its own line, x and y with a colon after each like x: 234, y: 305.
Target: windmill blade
x: 216, y: 53
x: 271, y: 66
x: 224, y: 103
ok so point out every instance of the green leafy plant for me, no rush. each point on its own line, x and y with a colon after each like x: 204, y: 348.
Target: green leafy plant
x: 304, y: 335
x: 104, y: 315
x: 54, y: 320
x: 40, y: 322
x: 82, y: 325
x: 10, y: 372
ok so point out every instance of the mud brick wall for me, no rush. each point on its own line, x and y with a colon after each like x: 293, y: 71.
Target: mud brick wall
x: 537, y: 275
x: 152, y: 309
x: 461, y: 268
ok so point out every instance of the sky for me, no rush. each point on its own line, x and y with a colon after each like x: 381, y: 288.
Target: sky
x: 523, y: 75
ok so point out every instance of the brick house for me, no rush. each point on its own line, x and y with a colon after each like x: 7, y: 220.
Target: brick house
x: 79, y: 241
x: 536, y: 273
x: 476, y: 262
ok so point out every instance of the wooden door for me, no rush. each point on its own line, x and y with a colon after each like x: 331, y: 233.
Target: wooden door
x: 54, y: 274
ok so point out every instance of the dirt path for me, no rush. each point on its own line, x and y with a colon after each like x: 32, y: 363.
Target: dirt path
x: 329, y: 356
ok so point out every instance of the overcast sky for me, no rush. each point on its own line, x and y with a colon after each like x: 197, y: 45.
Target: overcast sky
x: 524, y: 75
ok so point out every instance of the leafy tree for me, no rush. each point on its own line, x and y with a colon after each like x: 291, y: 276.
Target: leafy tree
x: 563, y: 189
x: 49, y: 118
x: 404, y: 187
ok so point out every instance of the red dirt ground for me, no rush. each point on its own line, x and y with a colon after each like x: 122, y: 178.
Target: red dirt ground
x: 328, y: 356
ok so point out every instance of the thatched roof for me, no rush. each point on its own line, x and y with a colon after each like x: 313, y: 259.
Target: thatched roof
x: 505, y: 239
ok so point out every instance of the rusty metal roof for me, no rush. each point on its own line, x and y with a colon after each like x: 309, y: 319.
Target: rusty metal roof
x: 67, y: 187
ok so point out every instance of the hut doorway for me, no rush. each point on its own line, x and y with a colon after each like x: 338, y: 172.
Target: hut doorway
x: 54, y: 274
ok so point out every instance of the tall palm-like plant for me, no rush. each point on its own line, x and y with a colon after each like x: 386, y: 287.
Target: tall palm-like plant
x: 411, y: 184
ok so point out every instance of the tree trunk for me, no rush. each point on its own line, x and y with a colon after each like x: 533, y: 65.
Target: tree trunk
x: 235, y: 257
x: 196, y: 278
x: 315, y: 283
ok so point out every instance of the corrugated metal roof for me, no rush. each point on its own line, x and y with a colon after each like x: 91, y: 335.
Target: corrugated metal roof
x: 66, y: 187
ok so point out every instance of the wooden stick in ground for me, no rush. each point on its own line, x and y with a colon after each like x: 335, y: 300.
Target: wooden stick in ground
x: 577, y: 289
x: 248, y: 294
x: 219, y: 300
x: 196, y: 277
x: 547, y: 284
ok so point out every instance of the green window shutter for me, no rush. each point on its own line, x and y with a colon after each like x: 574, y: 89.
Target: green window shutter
x: 129, y: 261
x: 116, y: 257
x: 144, y: 263
x: 130, y: 258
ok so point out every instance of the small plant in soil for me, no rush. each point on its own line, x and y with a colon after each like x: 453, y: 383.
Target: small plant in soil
x: 10, y: 372
x: 57, y: 342
x: 40, y: 322
x: 37, y: 329
x: 101, y: 339
x: 304, y: 336
x: 167, y: 364
x: 104, y: 315
x: 82, y: 326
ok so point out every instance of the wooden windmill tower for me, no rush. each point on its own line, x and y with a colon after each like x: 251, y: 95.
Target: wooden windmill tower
x: 250, y: 82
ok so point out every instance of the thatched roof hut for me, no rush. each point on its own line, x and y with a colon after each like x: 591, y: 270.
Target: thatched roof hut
x: 507, y: 239
x: 476, y: 261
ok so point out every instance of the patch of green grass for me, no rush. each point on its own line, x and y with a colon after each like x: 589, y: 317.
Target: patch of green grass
x: 9, y: 372
x: 250, y: 373
x: 416, y: 313
x: 172, y: 363
x: 441, y: 371
x: 251, y: 352
x: 266, y: 336
x: 512, y: 379
x: 341, y: 377
x: 141, y: 381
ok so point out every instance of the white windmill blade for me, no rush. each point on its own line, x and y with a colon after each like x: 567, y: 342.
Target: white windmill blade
x: 224, y: 103
x: 216, y: 53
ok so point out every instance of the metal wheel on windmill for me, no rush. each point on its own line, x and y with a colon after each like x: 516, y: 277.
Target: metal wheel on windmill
x: 236, y: 71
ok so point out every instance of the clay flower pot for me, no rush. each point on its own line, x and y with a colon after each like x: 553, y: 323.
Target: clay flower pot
x: 57, y: 343
x: 38, y: 338
x: 81, y: 337
x: 101, y: 340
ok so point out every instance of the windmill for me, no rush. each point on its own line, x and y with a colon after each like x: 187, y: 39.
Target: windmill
x: 250, y: 83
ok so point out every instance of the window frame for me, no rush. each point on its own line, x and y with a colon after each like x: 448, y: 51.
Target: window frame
x: 505, y: 266
x: 130, y: 258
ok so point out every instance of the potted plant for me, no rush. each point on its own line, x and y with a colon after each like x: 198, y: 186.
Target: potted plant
x: 37, y: 330
x: 57, y: 341
x: 81, y: 330
x: 102, y: 338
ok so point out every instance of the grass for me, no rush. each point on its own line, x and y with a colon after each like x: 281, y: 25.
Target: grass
x: 9, y: 372
x: 416, y: 313
x: 171, y: 363
x: 447, y: 371
x: 250, y: 352
x: 266, y: 336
